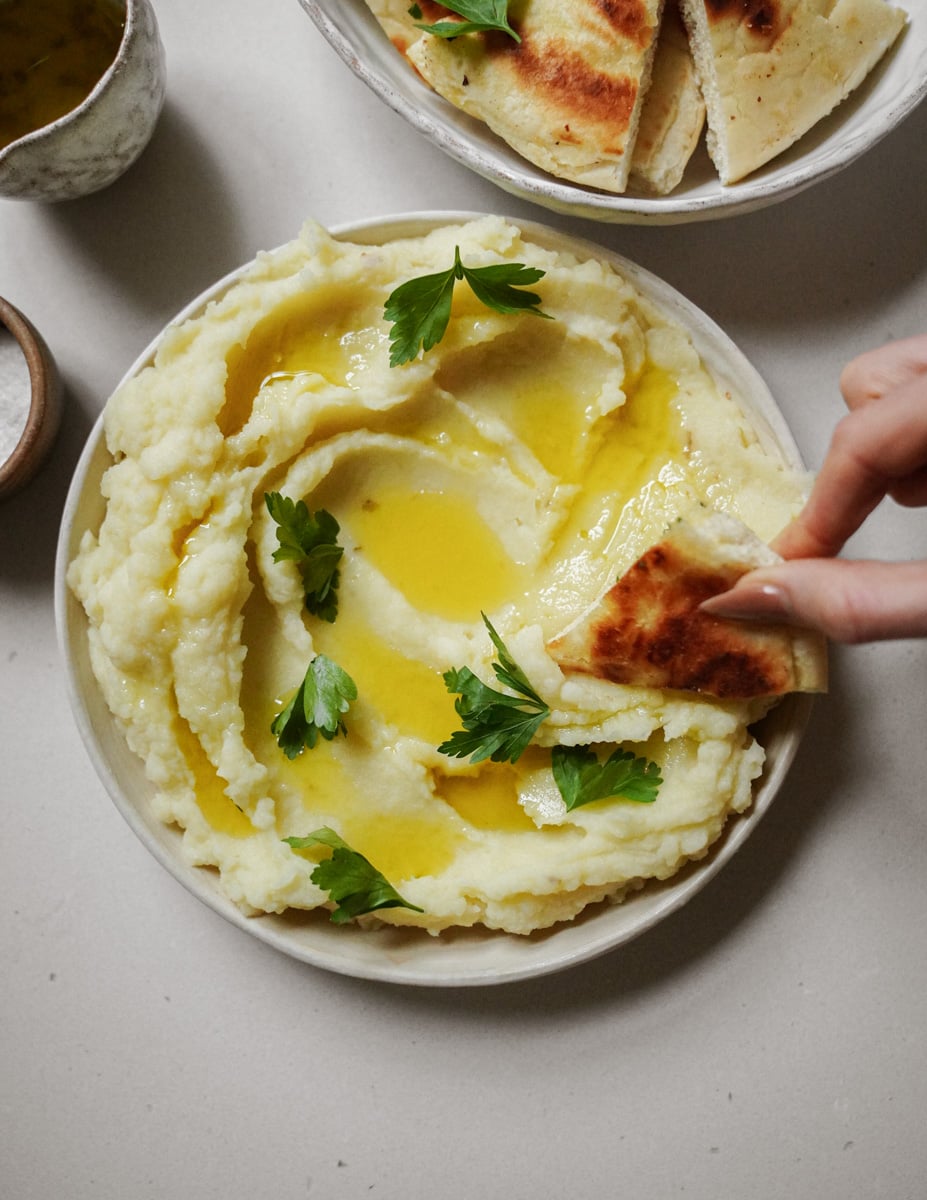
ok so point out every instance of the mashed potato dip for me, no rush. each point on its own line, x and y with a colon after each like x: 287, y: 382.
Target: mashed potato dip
x: 515, y: 469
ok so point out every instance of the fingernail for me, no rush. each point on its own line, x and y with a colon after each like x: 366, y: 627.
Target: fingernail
x: 753, y: 601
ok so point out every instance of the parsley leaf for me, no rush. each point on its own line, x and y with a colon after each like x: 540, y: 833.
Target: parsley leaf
x: 495, y: 725
x: 420, y: 309
x: 479, y: 15
x: 350, y: 879
x: 311, y: 541
x: 582, y: 779
x: 324, y: 694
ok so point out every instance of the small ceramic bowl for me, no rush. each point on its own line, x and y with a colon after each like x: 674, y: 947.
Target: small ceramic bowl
x: 92, y: 145
x: 41, y: 403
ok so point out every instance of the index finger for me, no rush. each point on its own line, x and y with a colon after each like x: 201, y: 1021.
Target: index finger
x: 875, y: 449
x: 876, y: 373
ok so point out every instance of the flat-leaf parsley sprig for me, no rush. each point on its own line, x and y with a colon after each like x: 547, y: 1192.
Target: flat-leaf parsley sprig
x: 310, y: 540
x: 420, y: 309
x: 351, y: 880
x: 316, y: 709
x: 582, y: 779
x: 496, y: 725
x: 480, y: 16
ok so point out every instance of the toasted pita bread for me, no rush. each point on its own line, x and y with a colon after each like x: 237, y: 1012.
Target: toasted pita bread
x: 568, y: 97
x: 648, y: 630
x: 673, y: 115
x: 771, y: 69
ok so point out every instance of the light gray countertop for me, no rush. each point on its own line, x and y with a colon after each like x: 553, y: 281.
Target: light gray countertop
x: 769, y: 1040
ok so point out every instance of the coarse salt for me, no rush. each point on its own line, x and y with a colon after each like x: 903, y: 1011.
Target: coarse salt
x: 15, y: 393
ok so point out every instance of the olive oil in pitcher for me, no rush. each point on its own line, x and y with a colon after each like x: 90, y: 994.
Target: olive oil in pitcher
x: 52, y: 55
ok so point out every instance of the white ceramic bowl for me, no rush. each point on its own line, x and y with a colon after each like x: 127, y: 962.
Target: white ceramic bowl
x: 891, y: 92
x: 466, y: 957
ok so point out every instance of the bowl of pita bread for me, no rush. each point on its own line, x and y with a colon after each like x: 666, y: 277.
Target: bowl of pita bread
x: 656, y: 111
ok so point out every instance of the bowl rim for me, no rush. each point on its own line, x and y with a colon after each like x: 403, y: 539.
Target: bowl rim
x: 397, y: 953
x: 521, y: 178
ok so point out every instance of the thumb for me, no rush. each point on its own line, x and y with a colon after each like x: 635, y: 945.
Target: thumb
x: 848, y: 601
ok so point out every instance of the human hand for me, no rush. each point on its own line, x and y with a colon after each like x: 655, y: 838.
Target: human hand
x: 879, y: 449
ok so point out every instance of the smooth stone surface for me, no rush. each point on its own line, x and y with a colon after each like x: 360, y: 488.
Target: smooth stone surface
x: 766, y: 1042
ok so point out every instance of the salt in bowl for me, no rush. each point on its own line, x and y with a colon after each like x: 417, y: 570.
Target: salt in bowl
x: 30, y: 399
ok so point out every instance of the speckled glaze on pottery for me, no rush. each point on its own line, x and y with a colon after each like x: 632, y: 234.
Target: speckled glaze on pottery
x: 96, y: 142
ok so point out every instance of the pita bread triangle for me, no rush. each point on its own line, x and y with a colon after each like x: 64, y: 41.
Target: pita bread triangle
x: 771, y: 69
x: 648, y: 631
x: 673, y: 112
x: 568, y: 97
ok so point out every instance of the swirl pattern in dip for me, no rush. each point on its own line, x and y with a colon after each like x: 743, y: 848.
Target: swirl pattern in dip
x: 515, y: 469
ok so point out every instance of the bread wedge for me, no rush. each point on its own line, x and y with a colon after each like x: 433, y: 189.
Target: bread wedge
x: 673, y: 114
x: 568, y: 97
x: 648, y: 630
x: 771, y: 69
